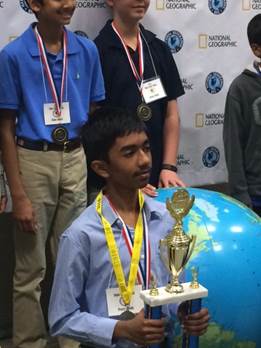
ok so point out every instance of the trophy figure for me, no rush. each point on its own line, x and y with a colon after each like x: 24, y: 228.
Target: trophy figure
x: 176, y: 249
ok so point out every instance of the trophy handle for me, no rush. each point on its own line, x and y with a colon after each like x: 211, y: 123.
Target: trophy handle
x: 163, y: 257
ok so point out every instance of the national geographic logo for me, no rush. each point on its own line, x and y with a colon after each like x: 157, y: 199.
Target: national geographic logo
x: 183, y: 161
x: 91, y: 4
x: 187, y: 85
x: 206, y: 120
x: 174, y: 40
x: 25, y: 6
x: 2, y: 4
x: 214, y: 82
x: 248, y: 5
x: 216, y: 41
x: 176, y: 5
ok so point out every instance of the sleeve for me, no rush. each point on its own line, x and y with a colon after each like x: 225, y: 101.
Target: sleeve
x: 67, y: 316
x: 171, y: 78
x: 97, y: 83
x: 10, y: 90
x: 234, y: 138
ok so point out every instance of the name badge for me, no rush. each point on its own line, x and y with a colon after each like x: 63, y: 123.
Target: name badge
x: 115, y: 303
x: 153, y: 90
x: 51, y: 117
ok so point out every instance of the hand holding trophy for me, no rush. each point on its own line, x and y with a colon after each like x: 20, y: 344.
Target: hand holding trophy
x: 175, y: 250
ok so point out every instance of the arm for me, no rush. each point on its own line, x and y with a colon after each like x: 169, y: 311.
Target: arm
x: 234, y: 137
x: 140, y: 330
x: 3, y: 196
x: 170, y: 146
x: 22, y: 207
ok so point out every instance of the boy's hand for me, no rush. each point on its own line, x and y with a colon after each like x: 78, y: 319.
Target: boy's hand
x: 150, y: 190
x: 195, y: 324
x: 24, y: 214
x: 140, y: 330
x: 3, y: 202
x: 169, y: 178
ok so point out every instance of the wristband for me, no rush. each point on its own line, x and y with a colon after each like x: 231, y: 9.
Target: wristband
x: 171, y: 167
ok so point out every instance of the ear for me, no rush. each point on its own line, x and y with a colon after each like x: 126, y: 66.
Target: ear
x: 109, y: 3
x: 34, y: 5
x: 256, y: 50
x: 100, y: 168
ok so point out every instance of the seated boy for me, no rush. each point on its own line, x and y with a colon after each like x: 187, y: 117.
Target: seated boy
x: 86, y: 280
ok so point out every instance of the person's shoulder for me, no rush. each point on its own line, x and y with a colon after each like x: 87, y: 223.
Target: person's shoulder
x: 15, y: 46
x: 152, y: 38
x: 81, y: 42
x: 241, y: 82
x: 157, y: 208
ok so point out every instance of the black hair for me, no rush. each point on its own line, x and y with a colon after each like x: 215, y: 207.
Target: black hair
x: 104, y: 126
x: 254, y: 30
x: 100, y: 132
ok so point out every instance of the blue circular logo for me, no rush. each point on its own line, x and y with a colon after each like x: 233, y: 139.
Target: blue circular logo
x: 25, y: 6
x: 174, y: 40
x: 217, y: 6
x: 214, y: 82
x: 81, y: 33
x: 210, y: 156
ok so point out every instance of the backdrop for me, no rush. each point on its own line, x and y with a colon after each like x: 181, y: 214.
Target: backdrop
x: 209, y: 44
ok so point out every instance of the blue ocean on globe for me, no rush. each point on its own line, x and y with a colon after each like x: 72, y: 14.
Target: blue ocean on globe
x: 228, y: 255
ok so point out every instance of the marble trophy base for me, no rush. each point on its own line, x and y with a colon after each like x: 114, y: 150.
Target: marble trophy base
x: 165, y: 297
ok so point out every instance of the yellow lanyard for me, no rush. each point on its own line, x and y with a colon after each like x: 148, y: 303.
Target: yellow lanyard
x: 125, y: 291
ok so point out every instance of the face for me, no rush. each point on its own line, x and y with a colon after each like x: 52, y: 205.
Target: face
x: 53, y: 11
x: 129, y: 10
x: 129, y: 162
x: 256, y: 50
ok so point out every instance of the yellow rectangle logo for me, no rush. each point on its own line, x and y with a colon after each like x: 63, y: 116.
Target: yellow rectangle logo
x: 202, y: 41
x: 160, y: 4
x: 246, y: 5
x: 199, y: 120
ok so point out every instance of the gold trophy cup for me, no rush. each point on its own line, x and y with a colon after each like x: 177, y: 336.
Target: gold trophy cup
x: 177, y: 247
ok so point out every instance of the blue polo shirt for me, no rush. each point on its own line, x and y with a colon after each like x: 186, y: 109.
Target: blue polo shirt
x: 22, y: 88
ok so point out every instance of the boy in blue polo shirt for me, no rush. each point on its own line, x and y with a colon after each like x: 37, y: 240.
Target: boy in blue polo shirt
x: 49, y: 78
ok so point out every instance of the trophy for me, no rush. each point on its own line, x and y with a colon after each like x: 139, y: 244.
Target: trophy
x: 175, y: 250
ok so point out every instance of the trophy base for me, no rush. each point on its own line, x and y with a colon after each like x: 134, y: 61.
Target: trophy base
x: 165, y: 297
x: 174, y: 289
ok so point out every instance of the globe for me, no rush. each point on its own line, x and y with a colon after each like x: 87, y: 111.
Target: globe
x: 228, y: 255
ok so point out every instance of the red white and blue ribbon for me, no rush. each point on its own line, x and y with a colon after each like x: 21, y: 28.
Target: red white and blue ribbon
x: 137, y: 74
x: 144, y: 273
x: 45, y: 63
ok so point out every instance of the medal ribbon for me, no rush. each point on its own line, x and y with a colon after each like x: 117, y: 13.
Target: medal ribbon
x: 125, y: 291
x: 138, y: 75
x: 143, y: 273
x: 48, y: 71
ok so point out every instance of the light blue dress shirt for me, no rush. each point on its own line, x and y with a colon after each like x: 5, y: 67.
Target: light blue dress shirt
x: 78, y: 306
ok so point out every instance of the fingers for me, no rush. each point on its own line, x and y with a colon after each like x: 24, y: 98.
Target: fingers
x: 196, y: 324
x: 3, y: 202
x: 150, y: 190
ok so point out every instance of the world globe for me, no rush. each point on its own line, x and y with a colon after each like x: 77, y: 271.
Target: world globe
x: 228, y: 256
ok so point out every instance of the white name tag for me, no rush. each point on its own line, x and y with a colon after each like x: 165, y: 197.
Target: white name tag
x: 50, y: 116
x: 116, y: 305
x: 153, y: 90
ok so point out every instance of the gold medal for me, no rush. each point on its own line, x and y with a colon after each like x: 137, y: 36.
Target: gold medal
x: 60, y: 135
x: 144, y: 112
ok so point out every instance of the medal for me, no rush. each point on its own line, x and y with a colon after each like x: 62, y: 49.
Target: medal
x: 144, y: 112
x: 126, y: 315
x: 60, y: 135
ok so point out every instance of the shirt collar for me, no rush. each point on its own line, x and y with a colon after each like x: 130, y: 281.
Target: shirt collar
x: 32, y: 46
x: 110, y: 38
x: 151, y: 208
